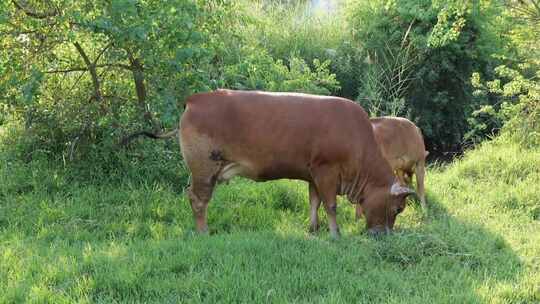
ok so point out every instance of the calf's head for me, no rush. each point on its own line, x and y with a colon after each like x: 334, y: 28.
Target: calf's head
x: 382, y: 205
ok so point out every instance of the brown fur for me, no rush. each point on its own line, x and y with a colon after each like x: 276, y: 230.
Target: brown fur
x: 325, y: 141
x: 402, y: 145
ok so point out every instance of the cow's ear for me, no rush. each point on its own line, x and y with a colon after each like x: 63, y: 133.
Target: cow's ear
x: 399, y: 190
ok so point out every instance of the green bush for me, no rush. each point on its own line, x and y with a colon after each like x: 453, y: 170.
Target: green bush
x: 419, y: 59
x: 514, y: 86
x: 407, y: 58
x: 113, y: 68
x: 261, y: 72
x: 517, y: 112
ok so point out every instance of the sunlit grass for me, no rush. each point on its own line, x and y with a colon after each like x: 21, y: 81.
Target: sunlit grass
x: 131, y: 239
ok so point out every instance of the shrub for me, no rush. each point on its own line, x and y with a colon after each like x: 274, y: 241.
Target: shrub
x: 419, y: 56
x: 514, y: 86
x: 292, y: 30
x: 261, y: 72
x: 104, y: 69
x: 518, y: 109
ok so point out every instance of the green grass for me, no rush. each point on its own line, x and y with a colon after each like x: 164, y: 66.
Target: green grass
x: 126, y: 235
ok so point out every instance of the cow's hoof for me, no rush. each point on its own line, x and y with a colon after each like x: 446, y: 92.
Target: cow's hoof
x: 335, y: 235
x: 203, y: 231
x: 314, y: 229
x: 379, y: 231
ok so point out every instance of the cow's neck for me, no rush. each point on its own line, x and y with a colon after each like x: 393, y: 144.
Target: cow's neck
x: 352, y: 185
x: 355, y: 184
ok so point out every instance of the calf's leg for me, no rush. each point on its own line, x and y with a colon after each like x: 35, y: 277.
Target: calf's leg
x: 359, y: 212
x: 420, y: 172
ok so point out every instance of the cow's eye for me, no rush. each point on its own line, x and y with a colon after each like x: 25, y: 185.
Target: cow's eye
x: 399, y: 210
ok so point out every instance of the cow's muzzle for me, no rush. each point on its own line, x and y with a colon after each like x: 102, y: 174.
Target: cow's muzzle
x: 379, y: 231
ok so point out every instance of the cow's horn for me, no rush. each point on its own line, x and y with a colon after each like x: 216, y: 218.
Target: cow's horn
x: 398, y: 189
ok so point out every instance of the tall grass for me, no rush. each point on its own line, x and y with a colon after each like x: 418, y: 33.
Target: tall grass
x: 387, y: 78
x: 127, y: 236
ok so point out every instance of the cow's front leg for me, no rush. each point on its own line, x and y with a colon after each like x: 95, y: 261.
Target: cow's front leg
x: 331, y: 210
x: 315, y: 203
x: 325, y: 178
x: 359, y: 212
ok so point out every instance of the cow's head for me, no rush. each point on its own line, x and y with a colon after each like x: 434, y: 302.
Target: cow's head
x: 382, y: 205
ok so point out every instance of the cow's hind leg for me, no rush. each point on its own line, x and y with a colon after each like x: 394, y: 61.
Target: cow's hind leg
x: 315, y: 203
x: 200, y: 193
x: 204, y: 162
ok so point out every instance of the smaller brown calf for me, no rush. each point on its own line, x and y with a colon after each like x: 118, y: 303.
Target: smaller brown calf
x: 402, y: 145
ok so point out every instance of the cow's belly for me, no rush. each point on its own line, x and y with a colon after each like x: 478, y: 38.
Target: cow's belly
x: 279, y: 171
x: 262, y: 172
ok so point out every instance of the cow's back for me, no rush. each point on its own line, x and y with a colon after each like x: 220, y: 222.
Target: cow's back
x: 278, y: 135
x: 400, y: 141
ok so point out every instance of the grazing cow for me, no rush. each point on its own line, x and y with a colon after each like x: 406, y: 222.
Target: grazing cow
x: 402, y: 145
x: 325, y: 141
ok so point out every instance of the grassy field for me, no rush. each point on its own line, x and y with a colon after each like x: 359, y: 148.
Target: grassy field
x: 100, y: 236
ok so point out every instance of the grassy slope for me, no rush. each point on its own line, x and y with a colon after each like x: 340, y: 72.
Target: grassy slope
x: 129, y: 240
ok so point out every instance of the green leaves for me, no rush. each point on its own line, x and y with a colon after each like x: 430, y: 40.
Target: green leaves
x: 411, y: 58
x: 30, y: 90
x: 518, y: 106
x: 44, y: 75
x: 451, y: 20
x: 421, y: 55
x: 260, y: 71
x: 184, y: 54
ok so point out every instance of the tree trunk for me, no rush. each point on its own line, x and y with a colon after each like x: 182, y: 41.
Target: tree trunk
x: 140, y: 88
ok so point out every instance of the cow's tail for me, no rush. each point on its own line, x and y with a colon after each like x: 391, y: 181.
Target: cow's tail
x: 168, y: 134
x: 162, y: 135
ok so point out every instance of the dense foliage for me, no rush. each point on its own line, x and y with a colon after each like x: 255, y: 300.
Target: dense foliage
x: 83, y: 73
x: 516, y: 85
x: 74, y: 75
x: 422, y: 55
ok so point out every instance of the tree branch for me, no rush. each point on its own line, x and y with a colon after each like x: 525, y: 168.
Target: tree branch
x: 69, y: 70
x: 78, y: 69
x: 33, y: 14
x: 101, y: 52
x: 138, y: 78
x: 92, y: 69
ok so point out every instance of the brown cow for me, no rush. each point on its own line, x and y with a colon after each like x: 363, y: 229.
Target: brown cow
x: 402, y: 145
x: 325, y: 141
